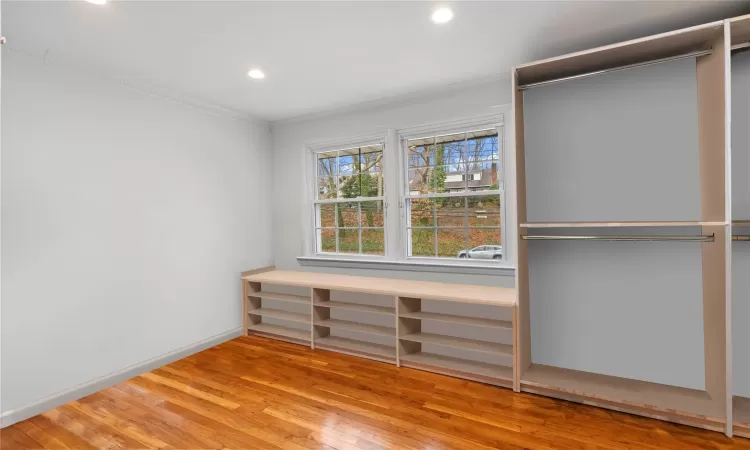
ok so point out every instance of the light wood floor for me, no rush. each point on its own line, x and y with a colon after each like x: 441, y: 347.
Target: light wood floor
x: 254, y: 393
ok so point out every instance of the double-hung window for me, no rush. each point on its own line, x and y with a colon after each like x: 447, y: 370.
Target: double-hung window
x: 349, y: 205
x: 454, y: 196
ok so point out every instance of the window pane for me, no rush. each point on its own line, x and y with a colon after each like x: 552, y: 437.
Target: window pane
x: 348, y: 161
x: 483, y: 145
x: 484, y: 178
x: 422, y: 242
x: 422, y: 212
x: 489, y: 238
x: 371, y: 214
x: 327, y: 187
x: 451, y: 212
x: 347, y: 214
x: 451, y: 241
x: 450, y: 178
x: 326, y: 240
x: 348, y: 240
x: 327, y: 164
x: 373, y: 241
x: 421, y: 181
x: 451, y: 150
x: 371, y: 182
x: 484, y: 211
x: 326, y: 215
x: 421, y: 152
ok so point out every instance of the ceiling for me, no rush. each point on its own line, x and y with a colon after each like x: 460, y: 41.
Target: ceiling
x: 320, y: 56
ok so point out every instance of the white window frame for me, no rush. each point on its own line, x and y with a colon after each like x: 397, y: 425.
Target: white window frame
x: 396, y: 189
x: 312, y: 169
x: 404, y: 135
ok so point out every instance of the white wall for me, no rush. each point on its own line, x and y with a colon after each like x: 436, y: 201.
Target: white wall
x: 290, y: 137
x: 126, y: 221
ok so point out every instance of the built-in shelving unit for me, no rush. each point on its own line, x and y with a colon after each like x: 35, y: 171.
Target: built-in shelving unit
x: 694, y: 60
x: 411, y: 338
x: 405, y: 336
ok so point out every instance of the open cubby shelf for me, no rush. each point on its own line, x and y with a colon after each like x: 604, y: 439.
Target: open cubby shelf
x: 460, y: 343
x: 406, y: 315
x: 300, y: 299
x: 357, y: 307
x: 457, y: 365
x: 356, y: 346
x: 279, y: 330
x: 280, y: 314
x: 356, y: 326
x: 462, y: 320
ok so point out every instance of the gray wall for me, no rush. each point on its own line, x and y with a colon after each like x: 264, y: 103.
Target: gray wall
x: 617, y: 147
x: 741, y: 210
x: 126, y: 222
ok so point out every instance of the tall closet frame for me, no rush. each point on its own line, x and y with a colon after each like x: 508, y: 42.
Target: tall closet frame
x: 711, y: 409
x: 738, y: 30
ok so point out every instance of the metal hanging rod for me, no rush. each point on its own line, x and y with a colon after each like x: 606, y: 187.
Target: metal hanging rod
x: 615, y: 69
x: 701, y: 238
x: 745, y: 238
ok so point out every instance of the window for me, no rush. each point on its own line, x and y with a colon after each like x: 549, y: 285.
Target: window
x: 445, y: 182
x: 349, y: 207
x: 455, y: 195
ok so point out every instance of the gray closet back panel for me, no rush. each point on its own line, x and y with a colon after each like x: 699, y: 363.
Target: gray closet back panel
x: 616, y: 147
x: 740, y: 211
x: 741, y: 136
x: 632, y: 310
x: 741, y: 315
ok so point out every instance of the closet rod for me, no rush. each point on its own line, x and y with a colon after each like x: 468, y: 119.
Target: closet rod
x: 614, y: 69
x: 702, y: 238
x: 745, y: 238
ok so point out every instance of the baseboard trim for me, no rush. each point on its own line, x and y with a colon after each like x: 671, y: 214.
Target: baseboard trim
x: 17, y: 415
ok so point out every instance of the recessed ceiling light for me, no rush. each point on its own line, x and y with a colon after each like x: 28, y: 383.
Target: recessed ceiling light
x: 98, y: 2
x: 442, y: 15
x: 256, y: 74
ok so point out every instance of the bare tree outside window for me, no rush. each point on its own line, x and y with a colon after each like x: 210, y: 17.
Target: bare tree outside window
x: 453, y: 198
x: 349, y: 209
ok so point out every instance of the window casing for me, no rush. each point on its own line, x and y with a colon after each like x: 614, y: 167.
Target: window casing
x: 349, y: 204
x: 459, y: 204
x: 454, y: 197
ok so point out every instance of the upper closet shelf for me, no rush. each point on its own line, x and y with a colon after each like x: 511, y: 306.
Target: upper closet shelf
x: 618, y: 224
x: 739, y: 28
x: 651, y: 48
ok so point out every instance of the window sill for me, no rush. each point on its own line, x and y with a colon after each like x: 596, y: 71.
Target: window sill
x: 415, y: 265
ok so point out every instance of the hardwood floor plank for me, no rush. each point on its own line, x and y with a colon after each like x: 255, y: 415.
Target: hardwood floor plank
x: 41, y: 437
x: 258, y: 393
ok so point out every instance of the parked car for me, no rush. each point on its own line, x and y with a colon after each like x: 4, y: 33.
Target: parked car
x: 483, y: 252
